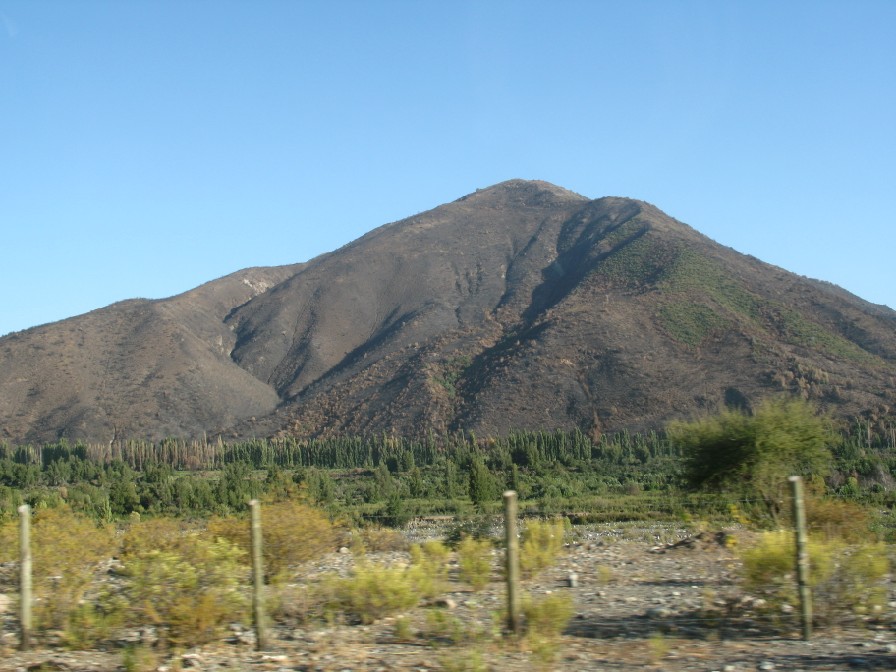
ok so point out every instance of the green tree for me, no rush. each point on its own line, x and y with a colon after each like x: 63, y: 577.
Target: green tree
x: 753, y: 454
x: 483, y: 487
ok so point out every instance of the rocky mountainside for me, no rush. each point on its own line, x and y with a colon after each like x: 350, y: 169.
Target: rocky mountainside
x: 519, y: 306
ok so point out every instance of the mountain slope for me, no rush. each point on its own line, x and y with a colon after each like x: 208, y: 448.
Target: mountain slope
x: 134, y: 369
x: 519, y: 306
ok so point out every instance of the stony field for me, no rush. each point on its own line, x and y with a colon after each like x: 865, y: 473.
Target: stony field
x: 656, y: 598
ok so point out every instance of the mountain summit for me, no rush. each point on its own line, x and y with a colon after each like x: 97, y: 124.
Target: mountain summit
x: 520, y: 306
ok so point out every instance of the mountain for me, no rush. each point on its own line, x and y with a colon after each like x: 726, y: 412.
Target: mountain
x: 523, y: 305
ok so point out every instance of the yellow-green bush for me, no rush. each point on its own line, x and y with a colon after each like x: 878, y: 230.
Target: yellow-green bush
x: 431, y: 557
x: 474, y: 557
x: 769, y: 565
x: 155, y: 534
x: 292, y: 533
x: 845, y: 579
x: 542, y: 542
x: 189, y: 591
x: 546, y: 618
x: 374, y: 591
x: 862, y: 570
x: 66, y: 551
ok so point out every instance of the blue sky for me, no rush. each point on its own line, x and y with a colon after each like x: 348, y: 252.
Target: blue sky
x: 148, y: 147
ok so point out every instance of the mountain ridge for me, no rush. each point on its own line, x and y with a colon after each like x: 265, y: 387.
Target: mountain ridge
x: 519, y: 306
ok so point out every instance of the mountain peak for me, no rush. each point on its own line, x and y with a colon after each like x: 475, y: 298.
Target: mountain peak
x: 528, y: 191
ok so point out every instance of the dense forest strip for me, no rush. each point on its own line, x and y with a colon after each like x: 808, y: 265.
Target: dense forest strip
x: 390, y: 479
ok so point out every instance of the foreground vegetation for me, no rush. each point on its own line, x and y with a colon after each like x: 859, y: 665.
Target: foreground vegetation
x: 152, y: 588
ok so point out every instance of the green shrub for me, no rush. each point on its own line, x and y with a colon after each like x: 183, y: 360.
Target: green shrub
x: 467, y: 659
x: 769, y: 565
x: 547, y: 616
x: 444, y: 627
x: 140, y: 659
x: 474, y: 557
x: 542, y: 542
x: 753, y: 454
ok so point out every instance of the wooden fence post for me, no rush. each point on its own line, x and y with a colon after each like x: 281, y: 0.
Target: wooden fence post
x: 25, y: 576
x: 258, y: 615
x: 802, y: 555
x: 513, y: 561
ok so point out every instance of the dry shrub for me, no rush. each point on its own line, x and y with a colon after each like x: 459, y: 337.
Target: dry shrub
x: 9, y: 540
x: 837, y: 519
x: 380, y: 539
x: 292, y: 533
x: 299, y: 603
x: 189, y: 591
x: 465, y: 659
x: 156, y: 534
x: 66, y: 552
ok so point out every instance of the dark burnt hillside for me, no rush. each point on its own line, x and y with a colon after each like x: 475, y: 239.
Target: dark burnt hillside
x: 519, y: 306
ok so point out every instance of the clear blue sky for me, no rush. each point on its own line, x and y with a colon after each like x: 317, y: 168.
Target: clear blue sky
x: 148, y: 147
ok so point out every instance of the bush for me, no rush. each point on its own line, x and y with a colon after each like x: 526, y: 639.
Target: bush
x: 377, y: 539
x: 66, y: 552
x: 189, y: 591
x: 542, y: 542
x: 432, y: 557
x: 474, y: 557
x: 292, y: 533
x: 546, y: 618
x: 374, y: 591
x: 753, y: 454
x: 837, y: 519
x: 846, y: 580
x: 478, y: 527
x: 155, y: 534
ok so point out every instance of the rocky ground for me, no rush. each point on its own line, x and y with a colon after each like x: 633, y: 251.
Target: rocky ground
x: 657, y: 599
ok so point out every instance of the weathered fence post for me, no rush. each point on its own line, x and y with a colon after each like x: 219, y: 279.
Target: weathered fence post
x: 25, y: 576
x: 802, y: 555
x: 513, y: 561
x: 258, y: 616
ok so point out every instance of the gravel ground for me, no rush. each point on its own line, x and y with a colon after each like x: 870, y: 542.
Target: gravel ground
x: 643, y: 598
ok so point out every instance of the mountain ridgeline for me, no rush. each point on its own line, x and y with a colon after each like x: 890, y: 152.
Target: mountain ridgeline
x: 521, y: 306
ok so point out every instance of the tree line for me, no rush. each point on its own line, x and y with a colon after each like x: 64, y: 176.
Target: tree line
x: 394, y: 477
